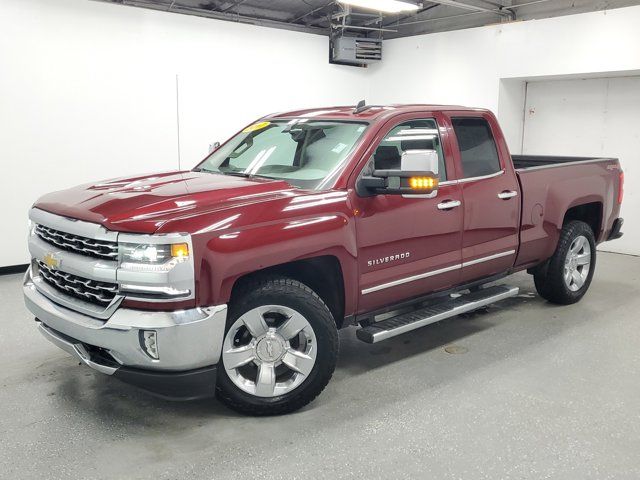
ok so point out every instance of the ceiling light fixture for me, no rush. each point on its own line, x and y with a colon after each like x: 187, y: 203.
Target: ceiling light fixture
x: 388, y: 6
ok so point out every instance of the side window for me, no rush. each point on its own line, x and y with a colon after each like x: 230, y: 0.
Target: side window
x: 477, y: 147
x: 412, y: 135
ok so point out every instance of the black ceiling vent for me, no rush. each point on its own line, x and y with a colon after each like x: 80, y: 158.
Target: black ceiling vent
x: 355, y: 50
x: 355, y: 37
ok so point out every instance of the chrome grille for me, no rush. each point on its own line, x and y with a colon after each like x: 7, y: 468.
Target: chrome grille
x: 92, y: 291
x: 78, y: 244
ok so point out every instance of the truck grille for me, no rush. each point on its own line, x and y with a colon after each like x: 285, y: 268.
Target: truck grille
x: 77, y: 244
x: 101, y: 293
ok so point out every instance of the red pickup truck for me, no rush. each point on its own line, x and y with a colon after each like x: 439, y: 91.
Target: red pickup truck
x: 233, y: 278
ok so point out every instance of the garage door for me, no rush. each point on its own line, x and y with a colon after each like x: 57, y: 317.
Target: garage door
x: 593, y: 117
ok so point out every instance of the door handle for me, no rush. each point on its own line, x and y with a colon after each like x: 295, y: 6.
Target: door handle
x: 449, y: 204
x: 507, y: 194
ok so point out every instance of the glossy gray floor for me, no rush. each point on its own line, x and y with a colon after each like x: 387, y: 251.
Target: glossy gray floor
x: 536, y: 391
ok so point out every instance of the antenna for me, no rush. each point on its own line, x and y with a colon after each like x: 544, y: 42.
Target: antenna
x: 361, y: 106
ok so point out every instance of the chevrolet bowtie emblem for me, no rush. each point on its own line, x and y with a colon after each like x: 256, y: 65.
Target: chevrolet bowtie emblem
x: 51, y: 261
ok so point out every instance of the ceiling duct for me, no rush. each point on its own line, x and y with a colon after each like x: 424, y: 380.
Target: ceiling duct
x: 355, y: 38
x: 356, y: 50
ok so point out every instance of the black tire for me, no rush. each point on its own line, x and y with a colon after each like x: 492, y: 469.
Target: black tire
x: 276, y: 290
x: 549, y: 278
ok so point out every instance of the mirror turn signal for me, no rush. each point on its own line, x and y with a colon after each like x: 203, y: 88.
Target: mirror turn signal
x: 423, y: 183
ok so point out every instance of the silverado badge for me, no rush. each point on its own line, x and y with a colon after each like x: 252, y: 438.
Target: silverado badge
x: 51, y: 261
x: 391, y: 258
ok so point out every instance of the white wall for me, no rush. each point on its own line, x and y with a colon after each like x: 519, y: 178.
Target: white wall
x: 88, y: 91
x: 465, y: 67
x: 596, y: 117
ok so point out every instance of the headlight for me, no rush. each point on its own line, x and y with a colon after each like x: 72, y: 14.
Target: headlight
x: 156, y: 267
x: 152, y: 254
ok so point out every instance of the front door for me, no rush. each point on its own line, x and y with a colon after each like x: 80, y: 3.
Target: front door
x: 409, y: 246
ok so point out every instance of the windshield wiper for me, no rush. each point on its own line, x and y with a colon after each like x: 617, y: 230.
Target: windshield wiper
x: 223, y: 172
x: 234, y: 174
x: 239, y: 174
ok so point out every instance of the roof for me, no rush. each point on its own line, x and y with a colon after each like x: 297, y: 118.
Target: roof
x: 372, y: 112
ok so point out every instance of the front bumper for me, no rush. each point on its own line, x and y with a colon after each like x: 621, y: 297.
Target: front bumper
x: 189, y: 343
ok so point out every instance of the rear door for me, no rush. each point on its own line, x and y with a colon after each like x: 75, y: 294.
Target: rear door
x: 490, y: 194
x: 408, y: 246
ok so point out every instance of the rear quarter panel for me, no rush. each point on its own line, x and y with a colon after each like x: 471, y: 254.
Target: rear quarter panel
x: 549, y: 192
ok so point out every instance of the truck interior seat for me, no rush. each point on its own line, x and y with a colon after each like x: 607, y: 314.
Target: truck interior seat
x: 387, y: 157
x: 421, y: 144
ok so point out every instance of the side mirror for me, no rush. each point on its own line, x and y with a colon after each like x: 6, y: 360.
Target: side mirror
x: 417, y: 177
x: 213, y: 146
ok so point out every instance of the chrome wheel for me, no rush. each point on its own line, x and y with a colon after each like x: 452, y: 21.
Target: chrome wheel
x: 269, y: 350
x: 577, y: 263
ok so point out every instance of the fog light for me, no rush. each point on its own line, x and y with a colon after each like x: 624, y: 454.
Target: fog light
x: 149, y: 343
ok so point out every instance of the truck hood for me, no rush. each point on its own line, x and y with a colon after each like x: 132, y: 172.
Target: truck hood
x: 143, y: 204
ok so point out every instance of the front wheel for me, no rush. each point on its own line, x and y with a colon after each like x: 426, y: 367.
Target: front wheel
x: 280, y: 348
x: 568, y: 273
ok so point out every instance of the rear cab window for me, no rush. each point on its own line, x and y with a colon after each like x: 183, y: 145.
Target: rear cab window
x: 478, y: 151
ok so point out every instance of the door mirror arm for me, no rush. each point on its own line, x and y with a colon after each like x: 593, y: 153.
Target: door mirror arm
x: 370, y: 185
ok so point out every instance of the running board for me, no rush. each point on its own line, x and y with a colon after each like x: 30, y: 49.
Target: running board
x: 448, y: 308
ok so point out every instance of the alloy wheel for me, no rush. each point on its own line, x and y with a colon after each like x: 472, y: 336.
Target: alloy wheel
x: 269, y: 350
x: 577, y: 263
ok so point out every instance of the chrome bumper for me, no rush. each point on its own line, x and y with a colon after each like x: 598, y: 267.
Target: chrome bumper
x: 186, y: 339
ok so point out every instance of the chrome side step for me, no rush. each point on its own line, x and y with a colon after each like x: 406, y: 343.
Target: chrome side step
x: 450, y: 307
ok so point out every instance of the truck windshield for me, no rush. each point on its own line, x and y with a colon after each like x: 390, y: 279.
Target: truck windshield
x: 306, y: 153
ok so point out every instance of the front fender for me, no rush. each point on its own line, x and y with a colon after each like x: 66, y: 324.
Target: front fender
x: 233, y: 253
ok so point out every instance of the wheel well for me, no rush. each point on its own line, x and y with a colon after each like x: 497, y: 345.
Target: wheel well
x: 590, y: 213
x: 323, y: 275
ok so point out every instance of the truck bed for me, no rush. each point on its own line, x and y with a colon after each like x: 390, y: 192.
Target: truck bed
x: 524, y: 162
x: 549, y: 192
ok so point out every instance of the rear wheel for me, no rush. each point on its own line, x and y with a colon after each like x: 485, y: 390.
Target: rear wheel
x: 280, y: 348
x: 567, y: 275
